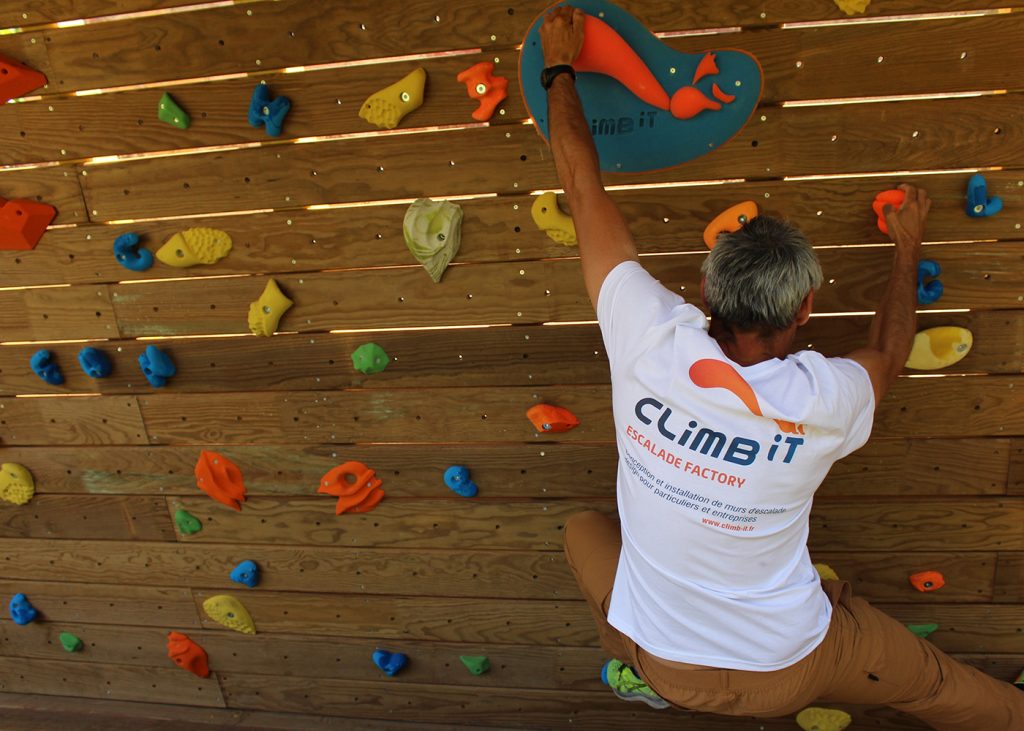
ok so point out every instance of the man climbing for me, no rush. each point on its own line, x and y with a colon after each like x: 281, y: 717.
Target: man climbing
x: 706, y: 596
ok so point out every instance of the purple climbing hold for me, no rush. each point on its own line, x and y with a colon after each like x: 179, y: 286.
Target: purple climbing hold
x: 389, y: 662
x: 22, y: 611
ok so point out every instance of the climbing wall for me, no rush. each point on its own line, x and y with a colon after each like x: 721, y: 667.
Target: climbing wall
x: 850, y: 107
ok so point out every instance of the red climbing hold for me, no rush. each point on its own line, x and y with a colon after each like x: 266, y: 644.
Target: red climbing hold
x: 360, y: 494
x: 481, y: 84
x: 706, y: 67
x: 17, y: 79
x: 606, y: 52
x: 895, y: 197
x: 546, y: 417
x: 23, y: 223
x: 690, y: 101
x: 187, y: 654
x: 927, y: 580
x: 220, y: 478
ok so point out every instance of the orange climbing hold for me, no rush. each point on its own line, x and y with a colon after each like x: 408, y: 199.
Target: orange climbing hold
x: 481, y: 84
x: 895, y: 197
x: 606, y: 52
x: 927, y: 580
x: 17, y: 79
x: 546, y: 417
x: 220, y: 478
x: 721, y: 95
x: 729, y: 220
x: 706, y: 67
x: 690, y: 101
x: 187, y: 654
x: 356, y: 486
x: 23, y: 223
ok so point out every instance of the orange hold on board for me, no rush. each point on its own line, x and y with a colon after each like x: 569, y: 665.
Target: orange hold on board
x: 187, y: 655
x: 17, y: 79
x: 481, y: 84
x: 729, y: 220
x: 606, y: 52
x: 356, y: 486
x: 927, y: 580
x: 690, y: 101
x: 721, y: 95
x: 548, y: 418
x: 706, y: 67
x: 23, y: 223
x: 895, y: 197
x: 220, y: 478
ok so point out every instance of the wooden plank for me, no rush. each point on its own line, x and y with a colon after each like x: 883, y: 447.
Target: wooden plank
x: 829, y: 212
x: 914, y: 408
x: 38, y: 12
x: 790, y: 141
x: 57, y: 313
x: 1015, y: 478
x: 57, y: 677
x: 966, y: 628
x: 56, y: 186
x: 96, y: 603
x: 111, y: 517
x: 918, y: 58
x: 882, y: 467
x: 469, y: 572
x: 981, y: 276
x: 68, y: 420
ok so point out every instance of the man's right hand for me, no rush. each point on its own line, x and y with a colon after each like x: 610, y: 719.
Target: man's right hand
x: 906, y: 225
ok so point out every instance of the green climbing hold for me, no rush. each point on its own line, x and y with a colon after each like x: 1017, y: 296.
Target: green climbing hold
x: 922, y: 630
x: 170, y: 112
x: 476, y: 664
x: 187, y: 523
x: 70, y: 643
x: 370, y: 358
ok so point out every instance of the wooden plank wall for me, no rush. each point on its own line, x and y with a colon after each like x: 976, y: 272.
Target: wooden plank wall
x: 939, y: 486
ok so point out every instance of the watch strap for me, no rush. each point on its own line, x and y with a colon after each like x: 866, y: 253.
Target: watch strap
x: 549, y: 74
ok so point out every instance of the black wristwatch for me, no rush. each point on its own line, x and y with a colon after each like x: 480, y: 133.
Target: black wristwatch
x: 547, y: 76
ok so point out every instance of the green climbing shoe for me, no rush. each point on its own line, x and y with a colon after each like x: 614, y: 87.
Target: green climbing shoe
x: 628, y: 686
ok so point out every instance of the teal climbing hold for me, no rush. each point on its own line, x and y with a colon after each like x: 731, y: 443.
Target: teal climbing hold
x: 390, y: 662
x: 370, y: 358
x: 169, y: 111
x: 70, y: 642
x: 187, y: 523
x: 922, y: 630
x: 476, y: 664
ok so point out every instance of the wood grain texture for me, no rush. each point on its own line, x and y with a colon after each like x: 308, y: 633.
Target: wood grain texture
x: 69, y: 421
x: 122, y: 682
x: 829, y: 212
x: 1015, y: 478
x: 790, y: 141
x: 37, y: 12
x: 57, y: 313
x: 882, y: 467
x: 111, y: 517
x: 469, y: 572
x: 56, y: 186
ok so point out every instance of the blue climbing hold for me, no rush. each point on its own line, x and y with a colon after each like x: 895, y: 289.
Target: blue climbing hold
x: 389, y: 662
x: 979, y: 204
x: 247, y: 573
x: 95, y: 363
x: 43, y: 366
x: 157, y: 366
x: 22, y: 611
x: 265, y: 111
x: 457, y: 478
x: 930, y: 291
x: 130, y: 255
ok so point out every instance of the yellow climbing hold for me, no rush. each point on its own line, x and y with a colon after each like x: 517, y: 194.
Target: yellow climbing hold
x: 266, y: 312
x: 852, y: 7
x: 16, y: 484
x: 823, y: 719
x: 826, y: 572
x: 387, y: 107
x: 552, y: 220
x: 939, y: 347
x: 195, y: 246
x: 228, y: 611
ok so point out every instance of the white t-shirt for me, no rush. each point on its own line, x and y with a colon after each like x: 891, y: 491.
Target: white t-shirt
x: 714, y: 499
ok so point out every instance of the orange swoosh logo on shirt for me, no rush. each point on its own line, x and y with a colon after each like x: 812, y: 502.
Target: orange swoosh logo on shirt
x: 709, y: 373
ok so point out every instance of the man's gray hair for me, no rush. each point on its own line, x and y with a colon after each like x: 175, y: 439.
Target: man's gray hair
x: 755, y: 278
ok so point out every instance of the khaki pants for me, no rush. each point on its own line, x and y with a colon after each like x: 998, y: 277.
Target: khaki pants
x: 866, y: 657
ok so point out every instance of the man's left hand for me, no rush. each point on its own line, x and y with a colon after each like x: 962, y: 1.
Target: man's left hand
x: 561, y: 35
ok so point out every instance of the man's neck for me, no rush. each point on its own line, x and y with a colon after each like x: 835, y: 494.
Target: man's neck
x: 748, y: 348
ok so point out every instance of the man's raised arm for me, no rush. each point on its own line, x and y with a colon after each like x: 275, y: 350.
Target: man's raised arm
x: 604, y: 238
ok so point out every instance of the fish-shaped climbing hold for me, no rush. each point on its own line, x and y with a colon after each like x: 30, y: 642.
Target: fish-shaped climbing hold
x: 247, y: 573
x: 488, y: 90
x: 130, y: 254
x: 823, y: 719
x: 939, y: 347
x: 264, y: 111
x: 356, y: 486
x: 852, y: 7
x: 922, y: 630
x: 552, y: 220
x: 433, y: 232
x: 43, y: 365
x: 826, y: 572
x: 156, y: 366
x: 370, y: 358
x: 390, y: 662
x: 21, y: 609
x: 731, y: 219
x: 16, y: 483
x: 195, y: 246
x: 548, y: 418
x: 387, y: 107
x: 187, y: 523
x: 265, y: 313
x: 927, y: 580
x: 476, y: 664
x: 187, y: 655
x: 95, y: 362
x: 170, y: 112
x: 458, y: 481
x: 228, y: 611
x: 220, y: 478
x: 70, y: 642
